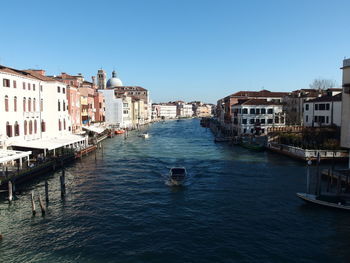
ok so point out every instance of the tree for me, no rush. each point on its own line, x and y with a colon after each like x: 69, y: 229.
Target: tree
x: 323, y: 84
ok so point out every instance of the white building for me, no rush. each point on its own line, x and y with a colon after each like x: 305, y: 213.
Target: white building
x: 117, y: 110
x: 255, y: 116
x: 167, y: 111
x: 323, y: 111
x: 184, y: 110
x: 34, y: 106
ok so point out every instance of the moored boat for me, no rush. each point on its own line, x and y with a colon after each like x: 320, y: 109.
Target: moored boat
x: 144, y: 135
x: 119, y: 131
x: 177, y: 175
x: 252, y: 146
x: 332, y: 201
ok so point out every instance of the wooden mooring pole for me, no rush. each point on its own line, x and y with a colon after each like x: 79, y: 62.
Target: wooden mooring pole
x: 10, y: 191
x: 46, y: 192
x: 63, y: 185
x: 42, y: 207
x: 33, y: 203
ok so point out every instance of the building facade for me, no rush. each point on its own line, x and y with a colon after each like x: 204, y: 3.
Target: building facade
x: 255, y: 116
x: 345, y: 114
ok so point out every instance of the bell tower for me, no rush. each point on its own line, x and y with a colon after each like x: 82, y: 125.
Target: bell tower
x: 101, y: 79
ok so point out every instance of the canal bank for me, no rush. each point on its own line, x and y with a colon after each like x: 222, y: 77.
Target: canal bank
x: 238, y: 206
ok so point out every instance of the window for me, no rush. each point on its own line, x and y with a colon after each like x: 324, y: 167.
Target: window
x: 269, y: 111
x: 8, y: 129
x: 59, y: 105
x: 24, y: 104
x: 245, y: 111
x: 15, y: 104
x: 28, y: 86
x: 35, y: 127
x: 59, y: 125
x: 327, y: 106
x: 34, y: 104
x: 58, y: 89
x: 41, y: 105
x: 41, y: 87
x: 263, y: 111
x: 16, y: 129
x: 25, y: 127
x: 269, y: 121
x: 14, y: 84
x: 307, y: 118
x: 6, y: 103
x: 29, y: 104
x: 64, y: 106
x: 6, y: 83
x: 251, y: 130
x: 43, y: 128
x: 327, y: 118
x: 277, y: 120
x: 306, y: 106
x: 125, y: 111
x: 100, y: 104
x: 244, y: 130
x: 282, y: 119
x: 24, y: 85
x: 125, y: 104
x: 316, y: 106
x: 64, y: 90
x: 322, y: 107
x: 257, y: 111
x: 30, y: 127
x: 262, y: 121
x: 251, y: 121
x: 244, y: 121
x: 252, y: 111
x: 33, y: 86
x: 64, y: 124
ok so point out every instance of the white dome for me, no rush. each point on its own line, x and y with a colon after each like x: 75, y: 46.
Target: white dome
x: 114, y: 81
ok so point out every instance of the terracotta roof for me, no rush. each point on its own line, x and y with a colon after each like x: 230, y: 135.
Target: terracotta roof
x: 15, y: 71
x: 262, y: 93
x: 257, y: 102
x: 129, y: 88
x: 39, y: 76
x: 326, y: 98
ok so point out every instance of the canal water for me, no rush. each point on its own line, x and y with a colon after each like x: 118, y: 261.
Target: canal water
x: 237, y: 206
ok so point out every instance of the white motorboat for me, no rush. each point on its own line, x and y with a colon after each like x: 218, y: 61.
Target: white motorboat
x: 144, y: 135
x: 177, y: 175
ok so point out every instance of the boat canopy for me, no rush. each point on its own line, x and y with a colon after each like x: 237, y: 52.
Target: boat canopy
x: 94, y: 129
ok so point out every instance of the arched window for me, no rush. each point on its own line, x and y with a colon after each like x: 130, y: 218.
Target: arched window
x: 59, y: 105
x: 8, y: 129
x: 64, y: 124
x: 29, y: 104
x: 59, y: 125
x: 30, y: 127
x: 35, y: 127
x: 64, y: 106
x: 16, y: 129
x: 24, y: 104
x: 34, y: 104
x: 43, y: 128
x: 41, y: 105
x: 25, y: 127
x: 15, y: 103
x: 6, y: 103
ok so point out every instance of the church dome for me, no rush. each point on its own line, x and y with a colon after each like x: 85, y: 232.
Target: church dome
x: 114, y: 81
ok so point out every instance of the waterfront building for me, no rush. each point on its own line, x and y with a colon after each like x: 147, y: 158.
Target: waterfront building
x: 184, y: 110
x: 255, y: 116
x: 323, y: 111
x: 99, y: 102
x: 345, y: 113
x: 165, y: 110
x: 74, y: 108
x: 139, y: 95
x: 294, y: 102
x: 224, y: 105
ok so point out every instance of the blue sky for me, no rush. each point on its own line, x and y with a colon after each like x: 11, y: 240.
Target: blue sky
x: 181, y: 49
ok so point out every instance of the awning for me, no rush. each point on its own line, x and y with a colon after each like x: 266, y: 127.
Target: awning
x: 10, y: 155
x: 50, y: 144
x: 95, y: 129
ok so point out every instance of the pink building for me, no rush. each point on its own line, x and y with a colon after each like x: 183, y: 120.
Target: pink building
x: 73, y: 97
x: 100, y: 107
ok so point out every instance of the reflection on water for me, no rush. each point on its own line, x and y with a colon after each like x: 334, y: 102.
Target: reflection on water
x: 235, y: 206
